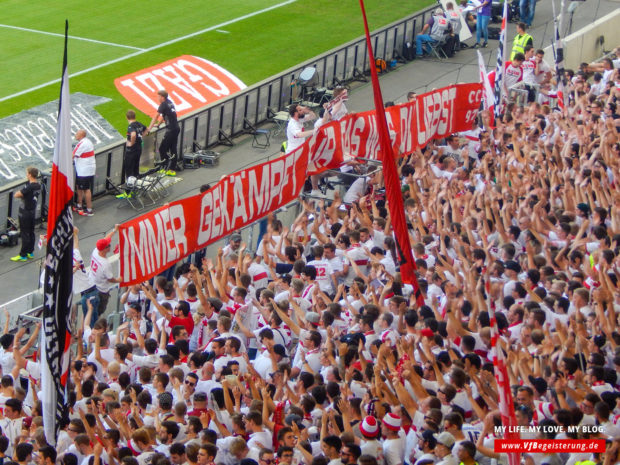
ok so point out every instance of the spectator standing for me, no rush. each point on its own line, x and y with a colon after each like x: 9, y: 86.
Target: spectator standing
x: 521, y: 40
x: 167, y: 113
x: 27, y: 210
x: 101, y: 272
x: 527, y: 8
x: 454, y: 16
x: 295, y: 133
x: 133, y: 147
x: 85, y: 167
x: 482, y: 23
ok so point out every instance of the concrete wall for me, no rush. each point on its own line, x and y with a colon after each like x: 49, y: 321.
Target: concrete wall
x: 583, y: 46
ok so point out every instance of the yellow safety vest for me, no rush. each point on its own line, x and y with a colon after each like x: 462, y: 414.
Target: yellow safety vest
x: 519, y: 44
x: 585, y: 462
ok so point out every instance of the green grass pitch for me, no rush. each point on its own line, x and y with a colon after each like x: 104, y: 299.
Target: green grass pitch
x: 252, y: 49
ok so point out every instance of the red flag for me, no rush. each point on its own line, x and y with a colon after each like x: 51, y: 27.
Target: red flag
x: 392, y: 181
x: 506, y: 405
x: 58, y: 285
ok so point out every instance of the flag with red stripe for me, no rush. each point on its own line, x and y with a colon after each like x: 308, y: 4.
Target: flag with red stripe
x: 506, y: 405
x: 501, y: 59
x: 488, y: 98
x: 392, y: 181
x: 58, y: 285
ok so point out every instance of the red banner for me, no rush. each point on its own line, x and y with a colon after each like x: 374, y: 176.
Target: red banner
x: 433, y: 115
x: 158, y: 239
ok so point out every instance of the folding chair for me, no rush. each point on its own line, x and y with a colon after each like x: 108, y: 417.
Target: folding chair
x: 437, y: 48
x: 280, y: 119
x: 132, y: 193
x: 260, y: 137
x: 151, y: 186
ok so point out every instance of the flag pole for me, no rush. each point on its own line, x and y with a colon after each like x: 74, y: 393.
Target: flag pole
x: 499, y: 68
x: 58, y: 280
x: 392, y: 181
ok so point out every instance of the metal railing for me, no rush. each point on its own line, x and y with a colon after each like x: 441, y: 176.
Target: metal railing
x: 223, y: 120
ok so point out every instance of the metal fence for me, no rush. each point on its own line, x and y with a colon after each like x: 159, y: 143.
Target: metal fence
x: 225, y: 118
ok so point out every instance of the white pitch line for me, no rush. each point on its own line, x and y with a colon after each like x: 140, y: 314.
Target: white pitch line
x: 221, y: 31
x: 150, y: 49
x: 55, y: 34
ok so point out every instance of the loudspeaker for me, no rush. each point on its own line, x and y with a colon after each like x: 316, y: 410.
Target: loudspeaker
x: 308, y: 77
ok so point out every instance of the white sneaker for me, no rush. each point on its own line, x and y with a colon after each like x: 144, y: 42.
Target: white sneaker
x: 316, y: 193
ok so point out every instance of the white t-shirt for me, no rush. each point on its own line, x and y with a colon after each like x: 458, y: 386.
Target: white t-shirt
x: 323, y: 274
x: 293, y: 139
x: 100, y: 272
x: 80, y: 277
x: 84, y: 157
x: 394, y: 451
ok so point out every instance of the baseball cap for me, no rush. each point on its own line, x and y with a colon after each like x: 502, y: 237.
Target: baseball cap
x: 427, y: 332
x: 235, y: 237
x: 280, y: 350
x: 104, y: 243
x: 313, y: 317
x: 446, y: 439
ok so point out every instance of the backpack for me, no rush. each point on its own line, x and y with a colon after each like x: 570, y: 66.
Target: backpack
x: 381, y: 65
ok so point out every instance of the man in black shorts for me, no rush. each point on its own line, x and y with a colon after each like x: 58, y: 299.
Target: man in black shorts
x: 30, y: 198
x: 168, y: 147
x: 133, y: 148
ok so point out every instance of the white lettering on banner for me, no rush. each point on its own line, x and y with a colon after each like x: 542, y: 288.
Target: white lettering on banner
x: 275, y: 181
x: 217, y: 217
x: 255, y: 195
x: 372, y: 142
x: 177, y: 226
x: 406, y: 122
x: 239, y: 210
x: 136, y: 250
x: 437, y: 109
x: 359, y: 128
x: 391, y: 129
x: 214, y: 218
x: 161, y: 241
x: 475, y: 96
x: 323, y: 154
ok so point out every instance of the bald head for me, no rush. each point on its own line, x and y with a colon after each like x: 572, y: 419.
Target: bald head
x: 80, y: 134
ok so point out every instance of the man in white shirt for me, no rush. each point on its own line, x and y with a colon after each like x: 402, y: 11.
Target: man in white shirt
x: 85, y: 167
x: 258, y: 438
x: 331, y: 445
x: 100, y: 272
x: 393, y: 443
x: 295, y: 133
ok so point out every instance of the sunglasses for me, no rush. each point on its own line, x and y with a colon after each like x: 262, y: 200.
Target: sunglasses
x: 190, y: 384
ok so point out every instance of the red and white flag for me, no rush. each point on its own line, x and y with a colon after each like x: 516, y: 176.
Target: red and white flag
x: 506, y: 405
x: 58, y: 285
x: 488, y: 98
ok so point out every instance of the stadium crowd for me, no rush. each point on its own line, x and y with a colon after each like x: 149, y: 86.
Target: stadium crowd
x: 312, y: 351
